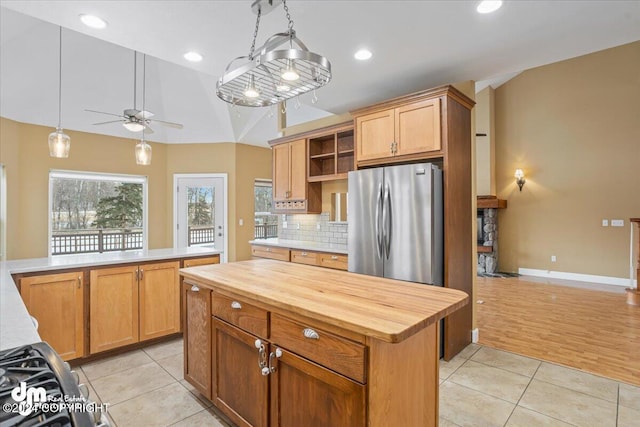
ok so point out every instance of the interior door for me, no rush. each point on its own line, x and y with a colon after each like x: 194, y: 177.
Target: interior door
x: 201, y: 212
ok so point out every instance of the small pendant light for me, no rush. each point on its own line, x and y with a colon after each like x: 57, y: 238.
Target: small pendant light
x: 143, y: 150
x: 59, y: 142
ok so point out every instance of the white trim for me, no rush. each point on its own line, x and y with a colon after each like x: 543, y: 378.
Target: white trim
x: 97, y: 176
x: 224, y: 176
x: 606, y: 280
x: 475, y: 335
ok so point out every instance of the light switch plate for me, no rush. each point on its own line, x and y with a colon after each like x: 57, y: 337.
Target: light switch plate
x: 605, y: 222
x: 617, y: 222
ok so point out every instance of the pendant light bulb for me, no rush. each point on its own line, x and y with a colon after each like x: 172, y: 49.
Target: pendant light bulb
x: 59, y: 144
x: 290, y: 73
x: 251, y: 90
x: 143, y: 153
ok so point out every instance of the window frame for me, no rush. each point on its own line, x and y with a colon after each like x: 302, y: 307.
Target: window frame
x: 100, y: 176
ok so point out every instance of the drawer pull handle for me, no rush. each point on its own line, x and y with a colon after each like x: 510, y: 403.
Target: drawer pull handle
x: 278, y: 354
x: 262, y: 357
x: 268, y: 249
x: 194, y: 288
x: 334, y: 257
x: 303, y: 254
x: 236, y: 305
x: 311, y: 334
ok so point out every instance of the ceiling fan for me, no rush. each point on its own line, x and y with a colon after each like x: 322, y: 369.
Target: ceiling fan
x: 133, y: 119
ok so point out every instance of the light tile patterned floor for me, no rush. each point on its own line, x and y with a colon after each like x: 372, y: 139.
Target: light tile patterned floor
x: 479, y: 387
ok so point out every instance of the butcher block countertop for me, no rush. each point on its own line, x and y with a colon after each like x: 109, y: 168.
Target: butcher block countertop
x: 385, y: 309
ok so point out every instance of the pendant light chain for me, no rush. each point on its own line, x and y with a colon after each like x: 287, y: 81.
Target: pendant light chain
x: 255, y: 35
x: 144, y: 93
x: 135, y: 75
x: 286, y: 9
x: 60, y: 80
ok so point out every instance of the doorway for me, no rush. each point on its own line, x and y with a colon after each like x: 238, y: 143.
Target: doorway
x: 200, y: 211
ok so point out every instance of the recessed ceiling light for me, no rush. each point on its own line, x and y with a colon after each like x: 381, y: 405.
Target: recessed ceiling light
x: 488, y: 6
x: 93, y: 21
x: 193, y: 56
x: 363, y: 55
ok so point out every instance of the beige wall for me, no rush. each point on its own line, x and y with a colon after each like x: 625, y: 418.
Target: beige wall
x: 485, y: 145
x: 574, y: 128
x: 24, y: 152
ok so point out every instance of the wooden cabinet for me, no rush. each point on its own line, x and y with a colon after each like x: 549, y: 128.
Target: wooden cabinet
x: 271, y: 252
x: 197, y: 337
x: 337, y: 261
x: 133, y: 303
x: 306, y: 394
x: 407, y: 132
x: 194, y: 262
x: 304, y: 257
x: 291, y: 191
x: 331, y: 153
x: 57, y: 303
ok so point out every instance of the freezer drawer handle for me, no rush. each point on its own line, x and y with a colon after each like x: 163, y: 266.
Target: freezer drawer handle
x: 311, y: 334
x: 236, y: 305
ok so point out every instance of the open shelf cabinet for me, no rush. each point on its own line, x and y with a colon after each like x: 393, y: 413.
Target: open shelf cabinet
x: 331, y: 153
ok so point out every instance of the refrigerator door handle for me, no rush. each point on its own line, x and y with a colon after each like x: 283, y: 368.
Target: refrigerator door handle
x: 386, y: 219
x: 379, y: 208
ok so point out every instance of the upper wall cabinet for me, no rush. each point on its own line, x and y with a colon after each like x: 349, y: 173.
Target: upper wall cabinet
x: 399, y: 130
x: 331, y: 153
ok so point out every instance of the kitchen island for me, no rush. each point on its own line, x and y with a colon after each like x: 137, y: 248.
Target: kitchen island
x: 281, y: 344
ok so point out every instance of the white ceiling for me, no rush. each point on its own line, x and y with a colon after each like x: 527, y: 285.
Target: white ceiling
x: 416, y: 45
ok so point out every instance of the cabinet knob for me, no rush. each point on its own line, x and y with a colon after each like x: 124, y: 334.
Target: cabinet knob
x: 194, y: 288
x: 268, y: 249
x: 334, y: 257
x: 303, y: 254
x: 236, y: 305
x: 311, y: 334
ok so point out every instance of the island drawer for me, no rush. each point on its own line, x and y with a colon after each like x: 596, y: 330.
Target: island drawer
x: 304, y: 257
x: 271, y: 252
x: 241, y: 314
x: 336, y: 261
x: 325, y: 348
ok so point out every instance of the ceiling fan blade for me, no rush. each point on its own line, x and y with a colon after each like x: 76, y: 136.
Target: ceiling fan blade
x: 148, y: 130
x: 102, y: 112
x: 144, y: 114
x: 131, y: 112
x: 111, y: 121
x: 170, y: 124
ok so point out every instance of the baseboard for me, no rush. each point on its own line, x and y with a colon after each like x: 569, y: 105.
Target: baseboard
x: 606, y: 280
x: 475, y: 335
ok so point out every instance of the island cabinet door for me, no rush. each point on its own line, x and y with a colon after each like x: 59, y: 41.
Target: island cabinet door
x: 197, y: 337
x: 239, y: 388
x: 306, y: 394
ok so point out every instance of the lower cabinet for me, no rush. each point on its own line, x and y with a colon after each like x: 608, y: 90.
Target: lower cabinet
x: 306, y: 394
x: 133, y: 303
x: 197, y: 337
x: 56, y: 301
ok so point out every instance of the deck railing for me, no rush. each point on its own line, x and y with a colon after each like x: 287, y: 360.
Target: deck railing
x: 199, y: 234
x: 100, y: 240
x: 265, y: 231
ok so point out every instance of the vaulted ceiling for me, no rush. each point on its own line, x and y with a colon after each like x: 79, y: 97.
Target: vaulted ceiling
x: 415, y: 45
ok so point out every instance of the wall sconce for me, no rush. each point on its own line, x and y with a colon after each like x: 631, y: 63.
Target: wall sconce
x: 520, y: 178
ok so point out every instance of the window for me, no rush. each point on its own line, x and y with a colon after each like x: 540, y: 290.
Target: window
x: 3, y: 215
x: 96, y: 212
x: 266, y: 223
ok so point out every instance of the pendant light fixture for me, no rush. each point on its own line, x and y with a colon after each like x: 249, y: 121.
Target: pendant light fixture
x: 143, y: 150
x: 59, y: 142
x: 282, y: 68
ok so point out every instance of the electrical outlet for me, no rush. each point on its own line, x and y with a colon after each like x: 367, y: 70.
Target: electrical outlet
x: 297, y: 227
x: 318, y: 226
x: 617, y: 222
x: 553, y: 258
x: 284, y: 224
x: 241, y: 222
x: 605, y: 222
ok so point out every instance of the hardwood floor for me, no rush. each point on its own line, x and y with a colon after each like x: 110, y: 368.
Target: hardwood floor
x: 591, y: 330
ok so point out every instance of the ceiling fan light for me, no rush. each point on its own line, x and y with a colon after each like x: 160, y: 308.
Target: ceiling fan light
x: 251, y: 91
x: 290, y: 73
x: 59, y: 144
x: 488, y: 6
x: 143, y: 153
x: 133, y: 126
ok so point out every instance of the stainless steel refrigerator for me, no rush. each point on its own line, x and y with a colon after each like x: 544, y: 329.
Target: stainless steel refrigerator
x: 395, y: 222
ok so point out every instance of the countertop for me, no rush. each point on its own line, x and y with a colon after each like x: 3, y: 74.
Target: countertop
x: 16, y: 327
x: 385, y: 309
x: 302, y: 245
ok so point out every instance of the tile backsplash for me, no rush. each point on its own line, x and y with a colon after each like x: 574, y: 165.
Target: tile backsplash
x: 312, y: 228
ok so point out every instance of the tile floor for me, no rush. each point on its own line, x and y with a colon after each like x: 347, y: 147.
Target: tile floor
x: 479, y: 387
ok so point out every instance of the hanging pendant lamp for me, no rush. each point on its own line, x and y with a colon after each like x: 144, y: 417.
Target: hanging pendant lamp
x: 59, y: 142
x: 143, y: 150
x: 273, y: 74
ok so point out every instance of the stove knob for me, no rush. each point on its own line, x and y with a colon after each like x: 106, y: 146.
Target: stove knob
x: 97, y: 414
x: 67, y: 366
x: 84, y: 390
x: 75, y: 376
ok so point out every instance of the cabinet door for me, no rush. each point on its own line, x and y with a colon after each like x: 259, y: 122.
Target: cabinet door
x: 197, y: 338
x: 159, y: 293
x: 418, y: 127
x: 57, y: 303
x: 281, y: 171
x: 194, y: 262
x: 375, y: 135
x: 306, y: 394
x: 298, y: 165
x: 113, y: 295
x: 239, y: 388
